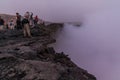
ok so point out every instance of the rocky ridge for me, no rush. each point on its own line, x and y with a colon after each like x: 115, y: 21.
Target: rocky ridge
x: 31, y: 59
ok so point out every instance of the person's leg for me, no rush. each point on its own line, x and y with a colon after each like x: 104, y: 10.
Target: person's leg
x: 33, y: 23
x: 12, y: 27
x: 19, y: 25
x: 28, y: 30
x: 24, y: 30
x: 1, y: 27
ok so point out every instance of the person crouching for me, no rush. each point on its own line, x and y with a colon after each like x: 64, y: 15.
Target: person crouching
x: 26, y: 27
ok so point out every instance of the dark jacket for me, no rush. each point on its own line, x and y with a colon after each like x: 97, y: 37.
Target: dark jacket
x: 25, y: 21
x: 1, y: 22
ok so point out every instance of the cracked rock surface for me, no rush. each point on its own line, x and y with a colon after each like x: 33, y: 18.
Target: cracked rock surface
x: 31, y: 59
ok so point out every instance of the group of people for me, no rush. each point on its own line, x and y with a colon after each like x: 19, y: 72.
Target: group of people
x: 32, y: 21
x: 21, y: 22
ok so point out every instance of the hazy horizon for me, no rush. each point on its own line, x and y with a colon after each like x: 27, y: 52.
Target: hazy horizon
x: 55, y: 10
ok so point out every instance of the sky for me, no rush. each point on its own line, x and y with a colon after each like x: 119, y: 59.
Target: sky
x: 53, y: 10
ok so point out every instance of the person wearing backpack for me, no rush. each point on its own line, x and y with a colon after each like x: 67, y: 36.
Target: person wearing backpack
x: 26, y: 26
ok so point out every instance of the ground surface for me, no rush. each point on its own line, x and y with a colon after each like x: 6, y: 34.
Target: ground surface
x: 30, y: 58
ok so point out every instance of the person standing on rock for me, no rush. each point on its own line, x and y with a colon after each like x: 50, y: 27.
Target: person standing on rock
x: 26, y: 26
x: 31, y: 20
x: 36, y: 20
x: 1, y: 23
x: 18, y: 21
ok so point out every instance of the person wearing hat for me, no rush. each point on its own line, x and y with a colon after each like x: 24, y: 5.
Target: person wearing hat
x: 26, y: 26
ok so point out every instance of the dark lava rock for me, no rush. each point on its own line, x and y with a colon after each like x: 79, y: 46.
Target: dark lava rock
x: 31, y: 59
